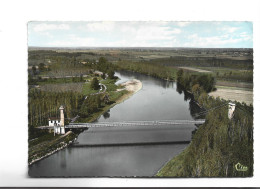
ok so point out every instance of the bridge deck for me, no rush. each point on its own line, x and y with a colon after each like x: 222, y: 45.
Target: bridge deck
x: 128, y: 123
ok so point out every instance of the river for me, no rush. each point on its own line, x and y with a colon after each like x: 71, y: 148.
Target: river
x: 157, y: 100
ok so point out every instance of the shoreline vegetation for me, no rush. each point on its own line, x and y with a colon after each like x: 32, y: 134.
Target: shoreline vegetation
x: 219, y: 144
x: 130, y: 87
x: 44, y: 149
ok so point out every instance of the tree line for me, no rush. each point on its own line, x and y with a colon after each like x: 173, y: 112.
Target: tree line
x: 196, y: 82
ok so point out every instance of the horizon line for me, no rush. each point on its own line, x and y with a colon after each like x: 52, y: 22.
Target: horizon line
x: 145, y: 47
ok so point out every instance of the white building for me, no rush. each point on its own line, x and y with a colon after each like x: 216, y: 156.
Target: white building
x: 231, y: 109
x: 58, y: 123
x: 53, y: 121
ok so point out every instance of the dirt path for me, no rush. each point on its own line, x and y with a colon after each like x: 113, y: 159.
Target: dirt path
x: 195, y: 69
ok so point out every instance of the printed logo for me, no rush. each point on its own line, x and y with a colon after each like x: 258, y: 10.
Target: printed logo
x: 240, y: 167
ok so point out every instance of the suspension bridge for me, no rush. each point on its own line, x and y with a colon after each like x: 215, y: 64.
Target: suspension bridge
x: 128, y: 123
x: 158, y: 123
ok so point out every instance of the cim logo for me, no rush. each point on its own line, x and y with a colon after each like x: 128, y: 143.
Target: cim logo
x: 240, y: 167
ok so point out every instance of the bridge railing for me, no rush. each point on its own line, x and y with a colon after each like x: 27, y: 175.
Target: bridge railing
x: 134, y: 123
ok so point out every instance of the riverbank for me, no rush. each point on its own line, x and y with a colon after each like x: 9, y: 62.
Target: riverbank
x: 217, y: 146
x: 132, y: 86
x: 129, y: 88
x: 51, y: 144
x: 44, y: 149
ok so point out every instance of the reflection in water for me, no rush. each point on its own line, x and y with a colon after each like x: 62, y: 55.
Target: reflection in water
x: 106, y: 114
x: 63, y: 164
x: 193, y: 106
x: 179, y: 88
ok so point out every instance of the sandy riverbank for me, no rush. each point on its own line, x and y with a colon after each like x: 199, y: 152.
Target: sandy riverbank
x: 132, y: 86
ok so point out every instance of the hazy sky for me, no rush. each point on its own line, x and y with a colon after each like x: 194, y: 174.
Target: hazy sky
x: 141, y: 34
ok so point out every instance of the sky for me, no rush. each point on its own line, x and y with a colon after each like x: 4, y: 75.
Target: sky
x: 141, y: 34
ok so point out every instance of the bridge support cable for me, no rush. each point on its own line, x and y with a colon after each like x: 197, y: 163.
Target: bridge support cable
x: 206, y: 111
x: 139, y: 123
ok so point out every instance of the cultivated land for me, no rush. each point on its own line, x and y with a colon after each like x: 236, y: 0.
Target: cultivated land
x: 234, y: 94
x: 228, y: 90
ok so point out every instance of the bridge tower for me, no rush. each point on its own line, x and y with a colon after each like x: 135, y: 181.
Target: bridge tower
x: 231, y: 109
x: 62, y: 128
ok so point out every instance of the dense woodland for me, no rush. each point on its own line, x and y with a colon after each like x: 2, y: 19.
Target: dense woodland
x: 43, y: 105
x: 195, y: 82
x: 219, y: 144
x: 148, y: 69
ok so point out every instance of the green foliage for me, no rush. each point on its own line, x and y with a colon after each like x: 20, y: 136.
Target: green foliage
x: 41, y: 67
x: 95, y: 84
x: 110, y: 84
x: 90, y: 106
x: 217, y: 145
x: 103, y: 76
x: 148, y: 68
x: 34, y: 70
x: 48, y: 143
x: 179, y: 74
x: 111, y: 74
x: 187, y: 80
x: 206, y: 81
x: 102, y: 60
x: 104, y: 66
x: 43, y: 105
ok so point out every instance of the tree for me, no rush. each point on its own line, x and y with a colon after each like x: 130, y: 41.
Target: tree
x: 106, y: 99
x: 102, y: 60
x: 179, y: 74
x: 81, y: 78
x: 196, y: 90
x: 111, y: 74
x: 34, y: 70
x: 103, y: 76
x: 41, y: 67
x: 94, y: 84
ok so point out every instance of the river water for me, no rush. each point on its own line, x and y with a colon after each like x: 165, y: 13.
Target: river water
x: 157, y: 100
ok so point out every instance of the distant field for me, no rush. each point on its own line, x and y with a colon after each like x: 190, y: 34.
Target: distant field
x: 235, y: 84
x: 234, y: 94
